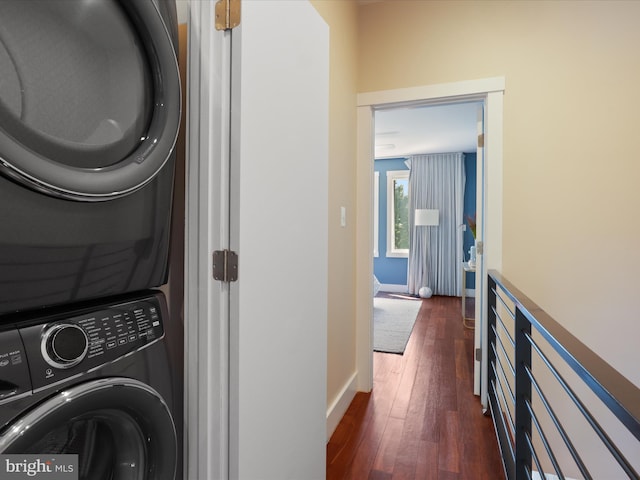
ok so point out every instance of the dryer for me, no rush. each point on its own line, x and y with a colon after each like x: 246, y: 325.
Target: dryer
x: 97, y: 383
x: 89, y: 114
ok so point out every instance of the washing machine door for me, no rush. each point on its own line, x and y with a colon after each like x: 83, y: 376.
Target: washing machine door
x: 121, y: 429
x: 89, y: 97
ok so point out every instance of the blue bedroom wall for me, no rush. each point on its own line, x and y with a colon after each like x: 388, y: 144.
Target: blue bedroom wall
x: 394, y: 270
x: 469, y: 209
x: 388, y: 270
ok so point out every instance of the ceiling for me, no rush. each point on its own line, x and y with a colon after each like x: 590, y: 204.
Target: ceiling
x: 411, y: 130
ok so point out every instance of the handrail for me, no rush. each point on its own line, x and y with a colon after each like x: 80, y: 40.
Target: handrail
x: 535, y: 334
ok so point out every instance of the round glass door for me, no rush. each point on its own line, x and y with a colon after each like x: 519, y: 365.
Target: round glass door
x: 121, y: 429
x: 90, y: 97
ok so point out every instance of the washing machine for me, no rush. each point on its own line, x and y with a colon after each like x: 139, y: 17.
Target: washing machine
x: 89, y: 114
x: 97, y: 383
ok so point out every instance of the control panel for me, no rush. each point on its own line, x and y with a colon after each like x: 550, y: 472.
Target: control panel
x: 63, y: 347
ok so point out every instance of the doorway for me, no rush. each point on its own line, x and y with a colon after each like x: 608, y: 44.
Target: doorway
x: 489, y: 234
x: 400, y: 134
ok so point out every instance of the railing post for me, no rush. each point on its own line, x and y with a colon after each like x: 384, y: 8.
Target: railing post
x: 523, y: 395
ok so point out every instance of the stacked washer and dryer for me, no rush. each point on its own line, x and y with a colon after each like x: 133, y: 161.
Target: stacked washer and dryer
x: 89, y: 114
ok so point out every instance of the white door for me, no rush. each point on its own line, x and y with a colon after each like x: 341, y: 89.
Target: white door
x: 264, y: 398
x: 279, y: 158
x: 480, y: 327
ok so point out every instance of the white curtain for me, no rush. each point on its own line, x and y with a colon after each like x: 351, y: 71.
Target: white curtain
x: 436, y: 181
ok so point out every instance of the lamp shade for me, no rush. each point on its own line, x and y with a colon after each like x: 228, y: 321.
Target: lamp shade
x: 426, y: 218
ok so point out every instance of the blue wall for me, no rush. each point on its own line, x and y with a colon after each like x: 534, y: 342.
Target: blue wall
x: 388, y: 270
x: 469, y: 209
x: 394, y: 270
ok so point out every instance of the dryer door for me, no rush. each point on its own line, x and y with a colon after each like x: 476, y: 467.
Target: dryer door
x: 121, y: 429
x: 89, y: 97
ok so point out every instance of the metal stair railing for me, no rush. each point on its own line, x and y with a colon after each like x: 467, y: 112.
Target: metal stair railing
x: 559, y: 410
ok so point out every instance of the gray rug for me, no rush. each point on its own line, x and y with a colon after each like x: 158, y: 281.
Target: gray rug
x: 393, y: 321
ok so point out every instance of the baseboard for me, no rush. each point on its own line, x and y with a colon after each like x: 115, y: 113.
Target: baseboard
x: 337, y: 409
x: 393, y: 288
x: 389, y: 287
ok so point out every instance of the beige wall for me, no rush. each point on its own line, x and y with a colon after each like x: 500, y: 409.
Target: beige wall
x: 571, y: 114
x: 340, y: 15
x: 572, y: 104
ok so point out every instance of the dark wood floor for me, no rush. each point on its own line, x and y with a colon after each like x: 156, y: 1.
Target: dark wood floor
x: 421, y: 421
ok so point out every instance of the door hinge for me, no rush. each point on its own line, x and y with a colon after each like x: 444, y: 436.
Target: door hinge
x: 481, y: 140
x: 225, y: 265
x: 478, y: 354
x: 227, y: 14
x: 479, y: 247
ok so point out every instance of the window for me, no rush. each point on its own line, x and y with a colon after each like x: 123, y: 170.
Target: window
x: 398, y: 213
x: 376, y: 215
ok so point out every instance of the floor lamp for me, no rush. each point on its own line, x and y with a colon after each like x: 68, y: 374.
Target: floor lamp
x: 425, y: 217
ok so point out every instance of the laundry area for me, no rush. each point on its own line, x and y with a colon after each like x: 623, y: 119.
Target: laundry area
x: 91, y: 369
x: 134, y: 167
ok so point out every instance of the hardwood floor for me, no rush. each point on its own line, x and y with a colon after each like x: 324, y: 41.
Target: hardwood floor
x: 421, y: 421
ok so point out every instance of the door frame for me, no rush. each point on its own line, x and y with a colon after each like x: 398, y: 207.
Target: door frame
x: 206, y: 306
x: 490, y: 91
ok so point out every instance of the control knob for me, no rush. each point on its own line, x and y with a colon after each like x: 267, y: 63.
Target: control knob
x: 64, y: 345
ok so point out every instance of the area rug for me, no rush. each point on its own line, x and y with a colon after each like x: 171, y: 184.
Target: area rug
x: 393, y: 321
